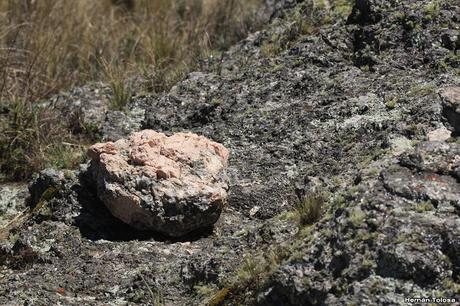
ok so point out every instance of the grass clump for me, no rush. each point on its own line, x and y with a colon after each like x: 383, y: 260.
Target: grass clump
x: 424, y: 207
x: 203, y: 290
x: 309, y: 210
x: 34, y: 137
x: 357, y: 217
x: 270, y: 49
x: 432, y: 9
x: 218, y: 298
x: 257, y: 267
x: 49, y: 46
x: 254, y: 271
x: 391, y: 103
x: 121, y: 91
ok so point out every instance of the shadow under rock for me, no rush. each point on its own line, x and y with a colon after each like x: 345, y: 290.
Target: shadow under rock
x: 95, y: 222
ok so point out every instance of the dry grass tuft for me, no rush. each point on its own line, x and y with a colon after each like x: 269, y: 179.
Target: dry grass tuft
x: 309, y: 210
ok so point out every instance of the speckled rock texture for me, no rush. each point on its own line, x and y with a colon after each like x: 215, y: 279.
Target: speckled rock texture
x: 170, y: 184
x: 12, y: 201
x: 451, y: 103
x: 335, y: 103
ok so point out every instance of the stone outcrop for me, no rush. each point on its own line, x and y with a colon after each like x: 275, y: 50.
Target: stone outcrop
x: 451, y: 106
x: 12, y: 201
x: 172, y: 185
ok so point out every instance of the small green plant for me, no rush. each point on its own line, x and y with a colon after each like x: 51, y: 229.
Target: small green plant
x: 452, y: 285
x: 391, y: 103
x: 203, y: 290
x: 421, y: 90
x: 249, y: 271
x: 401, y: 237
x: 64, y: 156
x: 156, y: 297
x: 342, y: 8
x: 121, y: 92
x: 254, y: 271
x: 368, y: 263
x: 424, y: 206
x: 309, y: 209
x: 432, y: 9
x: 357, y: 217
x: 269, y: 49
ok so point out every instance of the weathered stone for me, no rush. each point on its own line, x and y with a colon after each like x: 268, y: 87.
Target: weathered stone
x: 12, y: 201
x: 434, y: 156
x: 441, y: 134
x: 400, y: 145
x: 451, y: 106
x: 84, y: 107
x: 46, y: 180
x: 451, y: 39
x: 406, y: 262
x: 172, y: 185
x: 120, y: 124
x: 424, y: 186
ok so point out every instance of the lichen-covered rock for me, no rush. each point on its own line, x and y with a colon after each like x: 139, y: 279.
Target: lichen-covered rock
x: 46, y: 180
x: 441, y: 134
x: 436, y: 157
x: 172, y: 185
x: 12, y: 201
x: 84, y: 107
x: 451, y: 104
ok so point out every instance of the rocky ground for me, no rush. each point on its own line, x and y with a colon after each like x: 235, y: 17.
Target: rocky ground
x: 352, y: 107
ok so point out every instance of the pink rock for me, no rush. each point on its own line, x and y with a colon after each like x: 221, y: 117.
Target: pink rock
x: 172, y: 185
x: 441, y: 134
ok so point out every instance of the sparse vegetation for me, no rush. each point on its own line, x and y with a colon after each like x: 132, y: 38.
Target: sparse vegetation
x: 309, y: 210
x: 257, y: 267
x: 424, y: 206
x: 204, y: 290
x: 156, y: 297
x: 270, y: 49
x: 255, y: 270
x: 51, y: 45
x: 33, y: 137
x: 391, y: 103
x: 357, y: 217
x: 432, y: 9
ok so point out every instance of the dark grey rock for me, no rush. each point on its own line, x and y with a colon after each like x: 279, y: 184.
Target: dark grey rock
x: 425, y: 186
x: 12, y: 201
x: 119, y: 125
x: 451, y: 39
x: 451, y: 103
x: 84, y: 108
x: 436, y: 157
x: 48, y: 179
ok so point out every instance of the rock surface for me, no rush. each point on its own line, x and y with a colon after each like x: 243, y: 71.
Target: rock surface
x: 84, y: 108
x: 169, y: 184
x: 12, y: 201
x: 451, y: 103
x: 326, y: 99
x: 441, y: 134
